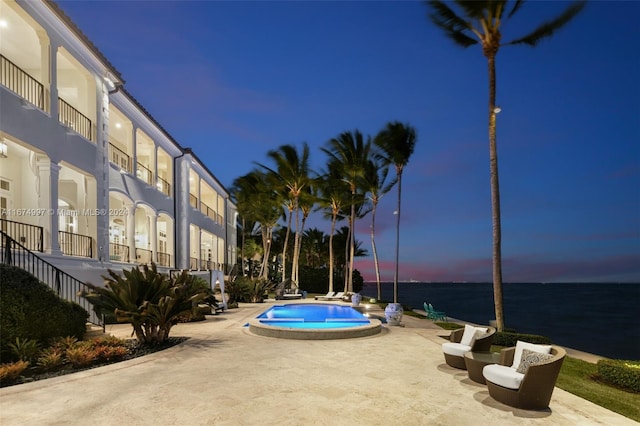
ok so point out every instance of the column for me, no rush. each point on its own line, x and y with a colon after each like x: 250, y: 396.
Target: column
x: 47, y: 181
x: 131, y: 232
x: 153, y: 236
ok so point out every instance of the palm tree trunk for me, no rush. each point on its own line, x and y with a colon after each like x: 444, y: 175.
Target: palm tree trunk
x: 495, y: 197
x: 352, y: 243
x: 373, y: 248
x: 333, y: 229
x: 296, y: 244
x: 395, y: 276
x: 284, y: 249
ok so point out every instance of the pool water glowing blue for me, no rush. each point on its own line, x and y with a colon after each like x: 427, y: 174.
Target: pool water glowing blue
x: 313, y: 321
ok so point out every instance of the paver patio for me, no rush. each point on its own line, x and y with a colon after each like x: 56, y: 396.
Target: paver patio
x: 224, y: 375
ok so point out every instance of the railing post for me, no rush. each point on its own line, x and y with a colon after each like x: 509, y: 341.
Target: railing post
x: 58, y: 281
x: 7, y: 251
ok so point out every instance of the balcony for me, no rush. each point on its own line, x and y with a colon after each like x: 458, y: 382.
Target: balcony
x: 75, y: 244
x: 164, y: 259
x: 193, y: 200
x: 21, y: 83
x: 163, y: 186
x: 118, y: 252
x: 75, y: 120
x: 119, y: 158
x: 208, y: 211
x: 145, y: 174
x: 193, y: 263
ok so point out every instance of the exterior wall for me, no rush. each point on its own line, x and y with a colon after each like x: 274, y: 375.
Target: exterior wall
x: 51, y: 159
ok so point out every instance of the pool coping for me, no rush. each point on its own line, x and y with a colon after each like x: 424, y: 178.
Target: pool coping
x: 269, y: 330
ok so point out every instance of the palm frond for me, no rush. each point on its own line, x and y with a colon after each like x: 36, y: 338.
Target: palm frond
x: 475, y: 9
x: 517, y: 5
x: 453, y: 25
x: 547, y: 29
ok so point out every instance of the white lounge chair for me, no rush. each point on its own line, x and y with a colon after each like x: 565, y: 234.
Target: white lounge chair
x: 338, y: 296
x: 327, y: 296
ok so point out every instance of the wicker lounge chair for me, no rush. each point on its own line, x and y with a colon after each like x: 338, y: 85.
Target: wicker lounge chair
x: 469, y: 338
x: 533, y: 392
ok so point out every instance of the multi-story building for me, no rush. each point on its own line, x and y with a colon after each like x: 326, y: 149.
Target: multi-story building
x: 88, y: 177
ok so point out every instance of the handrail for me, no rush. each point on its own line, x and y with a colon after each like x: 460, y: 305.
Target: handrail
x: 208, y: 211
x: 75, y: 244
x: 193, y: 200
x: 119, y: 157
x: 163, y: 186
x: 29, y: 235
x: 144, y: 173
x: 193, y: 263
x: 118, y: 252
x: 65, y: 286
x: 164, y: 259
x: 17, y: 80
x: 75, y: 120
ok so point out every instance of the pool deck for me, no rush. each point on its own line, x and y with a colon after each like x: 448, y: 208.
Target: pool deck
x: 225, y: 375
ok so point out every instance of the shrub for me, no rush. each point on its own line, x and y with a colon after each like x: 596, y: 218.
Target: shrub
x: 10, y: 372
x: 150, y: 301
x: 63, y: 343
x: 29, y: 309
x: 238, y: 290
x: 50, y: 358
x: 81, y: 355
x: 110, y: 353
x: 508, y: 339
x: 25, y: 349
x: 258, y: 288
x: 625, y: 374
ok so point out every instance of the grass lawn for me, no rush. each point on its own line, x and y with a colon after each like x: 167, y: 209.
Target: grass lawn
x: 577, y: 377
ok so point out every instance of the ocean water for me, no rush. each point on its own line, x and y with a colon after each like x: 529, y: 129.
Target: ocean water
x: 599, y: 318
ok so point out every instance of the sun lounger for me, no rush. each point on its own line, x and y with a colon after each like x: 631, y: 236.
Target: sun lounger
x: 326, y: 296
x: 338, y: 296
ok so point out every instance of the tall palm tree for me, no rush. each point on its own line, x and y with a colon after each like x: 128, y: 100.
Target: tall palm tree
x: 332, y: 189
x: 350, y: 152
x: 375, y: 181
x: 292, y: 170
x: 479, y: 22
x: 395, y: 144
x: 259, y: 202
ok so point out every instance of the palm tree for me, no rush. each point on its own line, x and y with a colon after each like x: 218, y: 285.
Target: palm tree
x: 292, y: 170
x: 332, y: 188
x: 374, y: 180
x: 349, y: 152
x: 257, y: 201
x: 395, y: 145
x: 480, y: 22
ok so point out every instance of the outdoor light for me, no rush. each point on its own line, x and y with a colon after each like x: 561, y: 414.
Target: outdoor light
x: 3, y: 150
x: 497, y: 109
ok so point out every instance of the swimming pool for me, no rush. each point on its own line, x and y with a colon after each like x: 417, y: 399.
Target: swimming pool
x: 313, y: 321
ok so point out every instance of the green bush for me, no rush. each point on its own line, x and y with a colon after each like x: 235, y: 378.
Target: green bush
x: 29, y: 309
x: 150, y: 301
x: 508, y: 339
x: 625, y: 374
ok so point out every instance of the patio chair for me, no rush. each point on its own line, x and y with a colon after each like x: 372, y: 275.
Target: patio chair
x: 432, y: 314
x: 469, y: 338
x: 326, y: 296
x: 338, y: 296
x: 525, y: 377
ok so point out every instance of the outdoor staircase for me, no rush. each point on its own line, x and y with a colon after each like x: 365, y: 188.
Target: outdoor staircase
x: 64, y: 285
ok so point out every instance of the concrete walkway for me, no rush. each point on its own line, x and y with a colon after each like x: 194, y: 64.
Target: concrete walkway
x: 224, y: 375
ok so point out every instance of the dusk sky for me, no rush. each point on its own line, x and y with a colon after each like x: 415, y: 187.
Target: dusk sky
x: 233, y: 80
